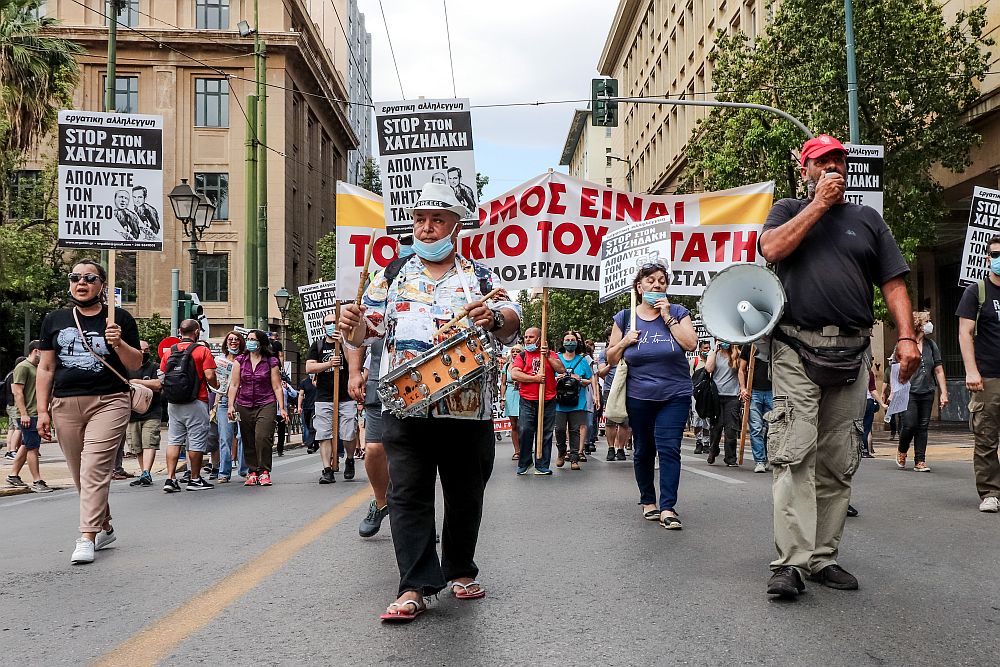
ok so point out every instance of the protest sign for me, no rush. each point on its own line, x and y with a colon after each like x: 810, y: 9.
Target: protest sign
x: 424, y: 141
x: 984, y: 223
x: 318, y: 301
x: 359, y: 213
x: 625, y: 250
x: 110, y: 181
x: 865, y: 171
x: 548, y: 232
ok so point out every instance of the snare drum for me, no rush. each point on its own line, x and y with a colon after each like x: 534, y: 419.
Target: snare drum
x: 442, y: 370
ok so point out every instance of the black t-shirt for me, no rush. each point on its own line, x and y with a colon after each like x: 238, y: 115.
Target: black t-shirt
x: 78, y: 373
x: 309, y: 398
x: 323, y: 350
x: 761, y: 371
x: 987, y: 340
x: 830, y: 277
x: 149, y: 371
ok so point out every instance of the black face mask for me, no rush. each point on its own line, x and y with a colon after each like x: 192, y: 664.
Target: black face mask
x: 85, y: 304
x: 145, y: 357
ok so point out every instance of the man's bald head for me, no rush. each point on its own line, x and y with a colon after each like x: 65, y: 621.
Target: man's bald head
x: 190, y: 328
x: 532, y: 335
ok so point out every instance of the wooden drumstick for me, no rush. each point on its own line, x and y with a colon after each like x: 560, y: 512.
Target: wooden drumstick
x: 462, y: 313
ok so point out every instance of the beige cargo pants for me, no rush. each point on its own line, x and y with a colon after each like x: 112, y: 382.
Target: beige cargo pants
x: 813, y: 444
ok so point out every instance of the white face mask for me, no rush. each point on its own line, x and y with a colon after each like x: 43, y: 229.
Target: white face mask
x: 928, y: 328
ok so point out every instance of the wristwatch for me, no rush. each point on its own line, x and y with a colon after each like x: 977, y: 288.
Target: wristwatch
x: 498, y: 320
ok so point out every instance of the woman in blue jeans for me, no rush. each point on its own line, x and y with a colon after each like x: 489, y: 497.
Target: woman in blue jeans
x: 658, y: 388
x: 233, y: 346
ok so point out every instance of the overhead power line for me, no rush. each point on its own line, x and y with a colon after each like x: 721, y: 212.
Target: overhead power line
x: 392, y: 50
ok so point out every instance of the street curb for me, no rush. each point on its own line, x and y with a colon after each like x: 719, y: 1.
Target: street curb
x: 14, y: 491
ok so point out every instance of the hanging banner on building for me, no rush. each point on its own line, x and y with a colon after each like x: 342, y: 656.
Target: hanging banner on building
x: 318, y: 301
x: 424, y: 141
x: 110, y: 181
x: 548, y: 232
x: 984, y: 223
x: 625, y: 250
x: 359, y: 213
x: 865, y: 172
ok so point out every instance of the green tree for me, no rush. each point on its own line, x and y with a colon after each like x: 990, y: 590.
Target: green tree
x: 576, y: 310
x: 917, y: 79
x: 482, y: 180
x: 153, y: 329
x: 371, y: 177
x: 326, y: 251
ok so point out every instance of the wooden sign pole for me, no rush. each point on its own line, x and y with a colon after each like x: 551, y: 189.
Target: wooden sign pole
x: 746, y: 404
x: 112, y: 301
x: 541, y: 369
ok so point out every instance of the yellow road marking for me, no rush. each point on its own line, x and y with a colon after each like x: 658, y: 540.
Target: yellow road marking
x: 156, y: 641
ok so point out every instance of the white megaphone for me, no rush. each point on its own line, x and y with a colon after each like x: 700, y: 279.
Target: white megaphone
x: 742, y: 303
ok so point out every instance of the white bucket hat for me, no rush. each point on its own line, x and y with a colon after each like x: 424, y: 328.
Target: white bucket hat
x: 438, y: 196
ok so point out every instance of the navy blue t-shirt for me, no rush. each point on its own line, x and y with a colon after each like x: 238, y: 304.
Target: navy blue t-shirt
x: 657, y: 365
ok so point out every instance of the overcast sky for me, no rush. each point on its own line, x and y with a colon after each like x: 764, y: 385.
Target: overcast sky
x: 512, y: 51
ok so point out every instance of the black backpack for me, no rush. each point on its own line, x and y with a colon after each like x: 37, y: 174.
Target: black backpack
x: 568, y: 388
x: 706, y: 395
x: 180, y: 380
x: 8, y: 390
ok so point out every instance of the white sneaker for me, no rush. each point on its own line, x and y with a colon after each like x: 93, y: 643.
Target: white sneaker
x: 104, y: 538
x: 84, y: 552
x: 760, y: 467
x: 991, y: 504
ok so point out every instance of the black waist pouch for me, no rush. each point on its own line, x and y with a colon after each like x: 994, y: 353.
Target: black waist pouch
x: 827, y: 366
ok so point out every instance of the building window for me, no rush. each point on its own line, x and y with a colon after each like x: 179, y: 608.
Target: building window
x: 25, y: 198
x: 212, y: 277
x: 129, y: 15
x: 126, y: 94
x: 125, y: 275
x: 215, y: 186
x: 212, y: 14
x: 607, y: 132
x: 211, y: 103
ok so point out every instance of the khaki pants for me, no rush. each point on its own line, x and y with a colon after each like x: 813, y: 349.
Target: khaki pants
x: 814, y: 439
x: 90, y: 429
x: 144, y: 434
x: 984, y: 420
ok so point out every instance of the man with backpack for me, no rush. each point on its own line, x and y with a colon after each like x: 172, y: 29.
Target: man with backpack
x: 979, y: 338
x: 526, y: 369
x: 186, y: 373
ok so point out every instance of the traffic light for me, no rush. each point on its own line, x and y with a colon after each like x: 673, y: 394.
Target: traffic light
x: 183, y: 306
x: 604, y: 113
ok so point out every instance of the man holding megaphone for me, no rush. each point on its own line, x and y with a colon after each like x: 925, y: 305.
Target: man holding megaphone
x: 829, y: 254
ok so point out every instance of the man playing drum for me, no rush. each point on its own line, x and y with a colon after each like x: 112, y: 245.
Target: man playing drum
x: 454, y: 436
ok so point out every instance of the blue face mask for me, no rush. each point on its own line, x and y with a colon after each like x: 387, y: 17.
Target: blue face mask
x: 995, y: 266
x: 330, y: 329
x: 252, y: 345
x: 434, y: 251
x: 405, y: 251
x: 570, y: 346
x: 652, y: 297
x: 531, y: 348
x: 234, y: 350
x: 724, y: 346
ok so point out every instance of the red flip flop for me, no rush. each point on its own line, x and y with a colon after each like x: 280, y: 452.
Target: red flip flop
x: 465, y: 593
x: 399, y: 614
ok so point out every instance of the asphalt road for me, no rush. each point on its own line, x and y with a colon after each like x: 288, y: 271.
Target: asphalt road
x: 256, y: 576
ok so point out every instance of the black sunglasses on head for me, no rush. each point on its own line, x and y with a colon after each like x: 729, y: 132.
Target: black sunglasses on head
x: 994, y: 254
x: 89, y: 278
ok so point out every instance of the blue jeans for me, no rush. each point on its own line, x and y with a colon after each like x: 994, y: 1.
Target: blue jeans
x: 527, y: 424
x: 227, y: 430
x: 657, y: 428
x: 761, y: 402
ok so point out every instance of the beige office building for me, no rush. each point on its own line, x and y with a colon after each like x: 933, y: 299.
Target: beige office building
x: 587, y: 151
x: 199, y: 80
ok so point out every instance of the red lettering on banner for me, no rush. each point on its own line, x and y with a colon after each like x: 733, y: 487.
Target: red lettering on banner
x: 482, y: 217
x: 720, y: 239
x: 520, y: 243
x: 360, y: 242
x: 606, y: 205
x: 588, y: 198
x: 745, y: 250
x: 533, y: 209
x: 505, y: 210
x: 679, y: 213
x: 490, y: 249
x: 556, y: 190
x: 544, y: 226
x: 675, y: 238
x: 576, y: 240
x: 379, y: 256
x: 628, y: 209
x: 696, y: 249
x: 470, y: 246
x: 594, y: 237
x: 657, y: 210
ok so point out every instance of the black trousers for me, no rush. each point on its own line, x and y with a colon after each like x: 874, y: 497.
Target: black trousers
x: 915, y: 422
x: 728, y: 422
x: 418, y: 449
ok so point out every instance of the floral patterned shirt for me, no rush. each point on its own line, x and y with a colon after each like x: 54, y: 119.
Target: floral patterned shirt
x: 410, y: 311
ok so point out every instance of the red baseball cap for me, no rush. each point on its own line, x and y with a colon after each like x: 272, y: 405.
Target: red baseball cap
x: 820, y: 145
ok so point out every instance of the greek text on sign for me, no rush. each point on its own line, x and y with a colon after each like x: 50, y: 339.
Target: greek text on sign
x: 984, y: 224
x: 424, y: 141
x: 626, y: 250
x: 865, y: 174
x: 110, y: 180
x: 318, y: 301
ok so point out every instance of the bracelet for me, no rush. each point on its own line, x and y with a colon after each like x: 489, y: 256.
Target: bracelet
x: 912, y: 340
x: 671, y: 322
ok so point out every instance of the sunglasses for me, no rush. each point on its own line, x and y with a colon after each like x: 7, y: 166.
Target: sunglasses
x: 89, y: 278
x: 653, y: 265
x: 994, y: 254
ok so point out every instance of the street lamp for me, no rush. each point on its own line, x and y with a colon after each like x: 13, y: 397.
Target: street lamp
x: 184, y: 200
x: 195, y: 212
x: 282, y: 297
x: 628, y: 175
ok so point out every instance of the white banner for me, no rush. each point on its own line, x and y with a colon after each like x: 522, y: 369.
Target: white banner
x: 110, y: 181
x: 984, y: 223
x: 548, y: 232
x: 424, y: 141
x: 865, y: 173
x: 359, y: 213
x: 625, y: 250
x: 318, y: 301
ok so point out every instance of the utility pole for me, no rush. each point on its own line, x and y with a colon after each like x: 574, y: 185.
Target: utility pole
x: 852, y: 74
x: 250, y: 270
x: 114, y: 8
x: 261, y: 62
